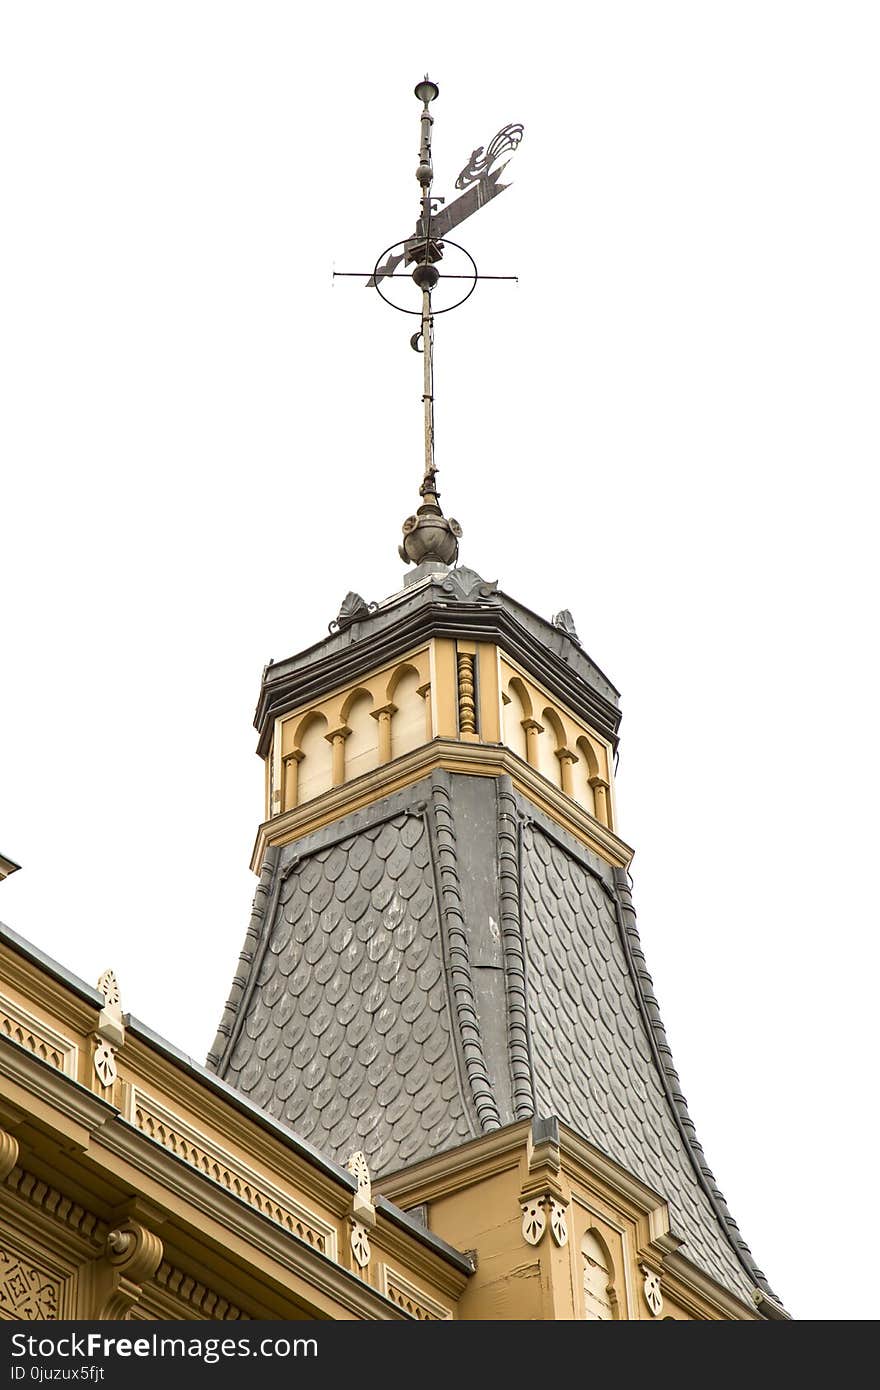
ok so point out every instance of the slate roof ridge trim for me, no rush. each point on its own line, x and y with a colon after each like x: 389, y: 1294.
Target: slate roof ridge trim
x: 510, y: 855
x: 571, y: 846
x: 253, y: 945
x: 454, y: 937
x: 656, y: 1033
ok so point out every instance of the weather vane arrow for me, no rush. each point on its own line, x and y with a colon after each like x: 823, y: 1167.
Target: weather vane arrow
x: 484, y: 186
x: 429, y: 536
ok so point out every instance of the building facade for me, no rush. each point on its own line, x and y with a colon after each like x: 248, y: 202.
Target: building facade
x: 440, y: 1087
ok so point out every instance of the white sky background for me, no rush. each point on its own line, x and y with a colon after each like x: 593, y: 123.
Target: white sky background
x: 668, y: 426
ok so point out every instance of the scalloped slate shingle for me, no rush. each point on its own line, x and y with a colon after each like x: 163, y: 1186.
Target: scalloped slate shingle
x: 346, y: 1034
x: 593, y: 1062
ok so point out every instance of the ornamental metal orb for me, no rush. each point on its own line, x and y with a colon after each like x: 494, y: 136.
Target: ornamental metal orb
x: 469, y: 278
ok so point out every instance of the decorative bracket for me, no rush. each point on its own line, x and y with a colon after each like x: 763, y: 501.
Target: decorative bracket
x: 8, y: 1154
x: 363, y: 1213
x: 360, y: 1243
x: 651, y: 1290
x: 537, y: 1211
x: 534, y: 1222
x: 133, y: 1254
x: 558, y: 1223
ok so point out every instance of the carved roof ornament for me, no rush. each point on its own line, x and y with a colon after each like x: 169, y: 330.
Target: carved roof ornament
x: 110, y: 1032
x: 109, y: 987
x: 565, y: 622
x: 429, y: 537
x: 363, y: 1213
x: 352, y: 609
x: 357, y: 1166
x: 464, y: 583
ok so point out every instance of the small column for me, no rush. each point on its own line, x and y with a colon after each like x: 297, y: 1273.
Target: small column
x: 383, y: 718
x: 532, y: 728
x: 290, y: 779
x: 336, y: 738
x: 567, y: 759
x: 467, y: 705
x: 601, y: 800
x: 425, y: 692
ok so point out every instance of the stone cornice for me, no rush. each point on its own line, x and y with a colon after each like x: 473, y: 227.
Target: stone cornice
x: 478, y: 759
x: 73, y: 1216
x: 227, y: 1111
x: 78, y: 1120
x: 582, y: 1159
x: 458, y: 1168
x: 70, y: 1000
x: 197, y: 1193
x: 693, y: 1280
x: 50, y: 1095
x: 492, y: 622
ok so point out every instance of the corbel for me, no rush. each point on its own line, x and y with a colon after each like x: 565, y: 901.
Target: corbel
x: 362, y: 1214
x: 132, y: 1254
x: 109, y: 1035
x: 8, y: 1153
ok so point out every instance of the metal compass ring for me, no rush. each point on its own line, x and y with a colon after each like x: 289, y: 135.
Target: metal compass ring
x: 417, y: 312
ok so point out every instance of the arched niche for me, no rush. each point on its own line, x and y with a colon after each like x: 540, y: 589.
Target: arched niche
x: 316, y: 763
x: 586, y: 767
x: 362, y: 744
x: 517, y: 707
x: 597, y: 1270
x: 408, y: 720
x: 551, y: 736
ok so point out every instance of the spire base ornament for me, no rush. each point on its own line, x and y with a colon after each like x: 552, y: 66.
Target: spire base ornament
x: 429, y: 535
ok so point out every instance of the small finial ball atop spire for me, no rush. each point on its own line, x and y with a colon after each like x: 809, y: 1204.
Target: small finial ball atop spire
x: 427, y: 90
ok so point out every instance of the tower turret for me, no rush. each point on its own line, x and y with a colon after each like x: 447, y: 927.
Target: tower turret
x: 443, y: 945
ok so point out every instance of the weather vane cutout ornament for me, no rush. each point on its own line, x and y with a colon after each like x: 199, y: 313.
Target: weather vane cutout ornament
x: 429, y: 536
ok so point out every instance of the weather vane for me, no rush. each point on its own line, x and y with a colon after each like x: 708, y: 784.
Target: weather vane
x: 429, y: 535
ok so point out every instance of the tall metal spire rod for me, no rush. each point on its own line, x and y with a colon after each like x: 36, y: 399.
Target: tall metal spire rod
x: 426, y: 276
x: 429, y: 536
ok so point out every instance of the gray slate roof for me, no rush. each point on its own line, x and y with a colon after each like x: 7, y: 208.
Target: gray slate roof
x: 595, y: 1060
x: 348, y: 1035
x: 449, y: 961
